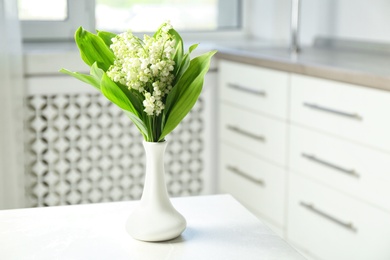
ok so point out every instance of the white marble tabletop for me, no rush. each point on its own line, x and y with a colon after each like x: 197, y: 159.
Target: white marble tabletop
x: 218, y: 227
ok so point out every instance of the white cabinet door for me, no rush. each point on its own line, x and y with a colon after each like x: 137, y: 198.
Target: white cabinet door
x: 352, y: 112
x: 357, y: 170
x: 256, y: 134
x: 257, y: 89
x: 333, y: 226
x: 258, y: 185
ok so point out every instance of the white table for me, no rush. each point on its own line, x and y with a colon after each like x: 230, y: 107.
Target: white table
x: 218, y: 227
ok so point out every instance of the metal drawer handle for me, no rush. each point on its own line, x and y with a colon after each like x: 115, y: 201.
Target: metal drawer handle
x: 246, y: 89
x: 245, y: 175
x: 347, y: 225
x: 313, y: 158
x: 333, y: 111
x: 246, y: 133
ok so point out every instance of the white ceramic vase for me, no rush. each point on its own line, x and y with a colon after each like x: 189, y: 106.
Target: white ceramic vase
x: 155, y: 219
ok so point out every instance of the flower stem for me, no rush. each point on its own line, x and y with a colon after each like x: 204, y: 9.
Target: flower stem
x: 151, y: 132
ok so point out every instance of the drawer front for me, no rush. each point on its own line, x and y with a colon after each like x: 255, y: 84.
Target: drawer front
x: 360, y: 171
x: 333, y: 226
x: 258, y: 89
x: 353, y: 112
x: 258, y: 185
x: 254, y: 133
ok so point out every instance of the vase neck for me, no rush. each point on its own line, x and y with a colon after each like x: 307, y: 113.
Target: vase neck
x: 155, y: 186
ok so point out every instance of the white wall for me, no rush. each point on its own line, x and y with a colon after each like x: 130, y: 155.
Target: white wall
x: 349, y: 19
x: 269, y: 19
x: 11, y: 108
x: 363, y: 19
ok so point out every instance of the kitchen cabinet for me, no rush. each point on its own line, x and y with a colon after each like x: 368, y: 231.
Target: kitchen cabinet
x: 349, y: 111
x: 356, y: 170
x: 325, y: 167
x: 327, y: 224
x: 253, y: 139
x: 338, y: 205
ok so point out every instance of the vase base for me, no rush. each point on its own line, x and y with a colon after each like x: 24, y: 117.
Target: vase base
x: 149, y: 227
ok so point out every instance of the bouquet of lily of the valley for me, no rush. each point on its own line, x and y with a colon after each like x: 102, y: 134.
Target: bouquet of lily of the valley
x: 152, y: 80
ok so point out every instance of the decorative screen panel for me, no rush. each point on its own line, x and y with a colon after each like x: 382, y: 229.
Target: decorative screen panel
x: 83, y: 149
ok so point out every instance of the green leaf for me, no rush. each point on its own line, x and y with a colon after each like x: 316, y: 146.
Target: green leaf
x: 106, y: 37
x: 134, y: 96
x: 182, y: 68
x: 179, y: 50
x: 115, y: 94
x: 193, y: 47
x: 93, y: 49
x: 138, y: 123
x: 96, y: 72
x: 185, y: 93
x: 158, y: 32
x: 185, y: 63
x: 91, y: 80
x: 193, y: 68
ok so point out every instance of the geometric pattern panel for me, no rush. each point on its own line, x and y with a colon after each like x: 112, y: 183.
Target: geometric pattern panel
x: 81, y: 149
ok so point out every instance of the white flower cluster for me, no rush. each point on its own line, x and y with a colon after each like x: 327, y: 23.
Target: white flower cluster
x: 146, y: 66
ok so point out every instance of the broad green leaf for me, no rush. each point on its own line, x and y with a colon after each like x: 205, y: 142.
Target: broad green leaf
x: 193, y: 47
x: 138, y: 123
x: 185, y: 63
x: 114, y: 93
x: 148, y: 124
x: 183, y: 67
x: 194, y: 68
x: 96, y: 72
x: 182, y: 107
x: 135, y: 97
x: 106, y: 37
x: 179, y: 50
x: 187, y: 91
x: 93, y: 49
x: 91, y: 80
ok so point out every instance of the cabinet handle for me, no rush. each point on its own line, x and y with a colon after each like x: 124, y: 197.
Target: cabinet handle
x: 246, y: 133
x: 245, y: 175
x: 312, y: 208
x: 313, y: 158
x: 333, y: 111
x: 246, y: 89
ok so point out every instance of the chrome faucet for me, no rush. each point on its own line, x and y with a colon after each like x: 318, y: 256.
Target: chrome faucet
x: 294, y: 26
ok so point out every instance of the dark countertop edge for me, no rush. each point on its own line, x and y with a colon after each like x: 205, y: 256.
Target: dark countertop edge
x: 359, y: 78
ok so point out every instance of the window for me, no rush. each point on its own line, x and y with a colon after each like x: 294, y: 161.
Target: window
x: 145, y: 16
x: 54, y: 19
x: 58, y: 19
x: 33, y: 11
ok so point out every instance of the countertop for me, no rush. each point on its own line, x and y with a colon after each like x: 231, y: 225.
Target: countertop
x: 361, y: 66
x: 218, y: 227
x: 351, y: 65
